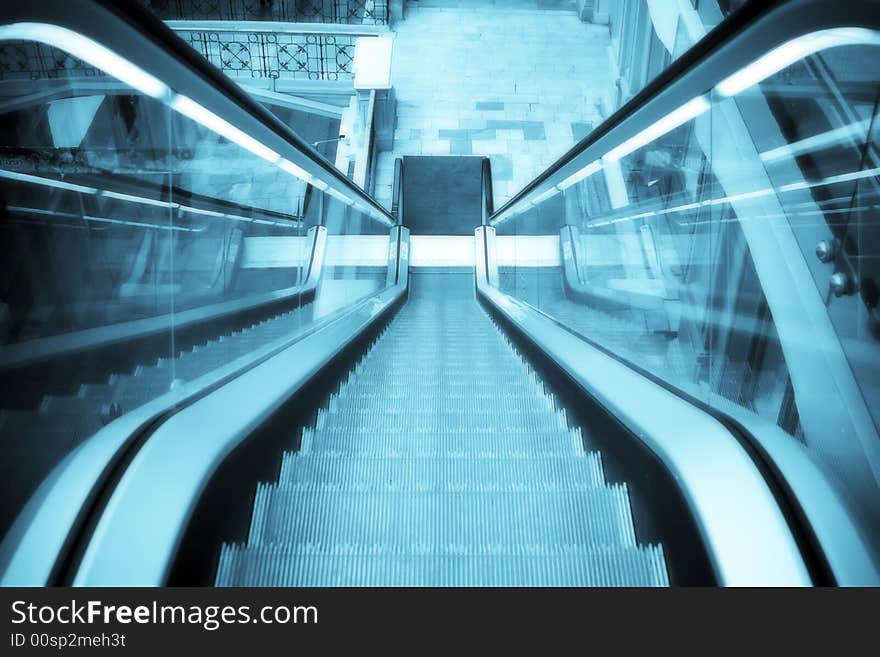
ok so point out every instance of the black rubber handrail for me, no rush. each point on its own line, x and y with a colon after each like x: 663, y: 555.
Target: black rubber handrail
x: 397, y: 207
x: 486, y: 188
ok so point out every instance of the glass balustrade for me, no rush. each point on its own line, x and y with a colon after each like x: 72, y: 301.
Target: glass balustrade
x: 148, y: 243
x: 731, y: 248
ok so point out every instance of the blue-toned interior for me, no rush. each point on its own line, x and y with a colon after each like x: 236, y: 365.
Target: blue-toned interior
x: 382, y: 333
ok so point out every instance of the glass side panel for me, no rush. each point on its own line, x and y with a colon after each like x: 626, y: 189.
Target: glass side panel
x: 142, y: 252
x: 736, y: 257
x: 319, y: 130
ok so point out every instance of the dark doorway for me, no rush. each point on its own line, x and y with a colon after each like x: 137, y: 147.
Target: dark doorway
x: 442, y: 195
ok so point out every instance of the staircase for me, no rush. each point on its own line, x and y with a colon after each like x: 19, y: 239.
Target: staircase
x: 441, y: 461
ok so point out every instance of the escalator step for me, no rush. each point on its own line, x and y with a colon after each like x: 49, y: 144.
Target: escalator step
x: 441, y: 459
x: 452, y: 420
x: 358, y: 441
x: 599, y: 516
x: 375, y: 402
x: 296, y: 565
x: 441, y: 472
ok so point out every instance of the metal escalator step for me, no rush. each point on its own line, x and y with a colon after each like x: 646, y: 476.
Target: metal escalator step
x: 427, y: 385
x: 441, y: 459
x: 449, y: 472
x: 599, y: 516
x: 450, y: 372
x: 371, y: 402
x: 357, y: 441
x: 309, y: 565
x: 453, y: 420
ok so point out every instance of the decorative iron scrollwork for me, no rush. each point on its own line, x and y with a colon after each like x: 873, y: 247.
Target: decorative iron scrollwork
x: 276, y: 54
x: 291, y: 55
x: 355, y: 12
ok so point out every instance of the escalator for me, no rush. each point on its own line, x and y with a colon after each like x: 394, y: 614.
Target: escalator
x: 442, y: 460
x: 632, y: 380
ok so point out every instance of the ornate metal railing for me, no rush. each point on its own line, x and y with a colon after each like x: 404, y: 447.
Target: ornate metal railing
x: 28, y: 60
x: 282, y: 54
x: 362, y: 12
x: 296, y: 55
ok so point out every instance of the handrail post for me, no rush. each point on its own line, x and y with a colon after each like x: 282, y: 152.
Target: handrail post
x: 397, y: 192
x: 486, y: 187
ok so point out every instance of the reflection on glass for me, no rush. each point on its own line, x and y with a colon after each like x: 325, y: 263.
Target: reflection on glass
x: 145, y: 246
x: 732, y: 249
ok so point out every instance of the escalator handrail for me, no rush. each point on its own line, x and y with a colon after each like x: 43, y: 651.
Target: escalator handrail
x: 833, y: 541
x: 133, y: 32
x: 136, y: 512
x: 488, y: 199
x: 754, y: 29
x: 397, y: 206
x: 770, y: 495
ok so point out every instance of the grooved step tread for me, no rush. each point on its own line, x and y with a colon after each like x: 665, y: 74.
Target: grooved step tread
x: 292, y: 565
x: 442, y: 471
x: 365, y: 441
x: 290, y: 515
x: 441, y: 460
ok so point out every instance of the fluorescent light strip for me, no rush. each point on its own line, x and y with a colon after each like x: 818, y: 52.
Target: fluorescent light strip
x: 47, y: 182
x: 209, y: 213
x: 650, y: 213
x: 584, y: 173
x: 364, y: 208
x: 609, y: 222
x: 188, y: 107
x: 792, y: 51
x: 301, y: 173
x: 237, y: 217
x: 51, y: 213
x: 283, y: 224
x: 857, y: 130
x: 680, y: 208
x: 339, y: 196
x: 139, y: 224
x: 740, y: 197
x: 60, y: 184
x: 292, y: 168
x: 138, y: 199
x: 831, y: 180
x: 847, y: 177
x: 268, y: 222
x: 89, y: 51
x: 781, y: 215
x: 553, y: 191
x: 104, y: 220
x: 690, y: 110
